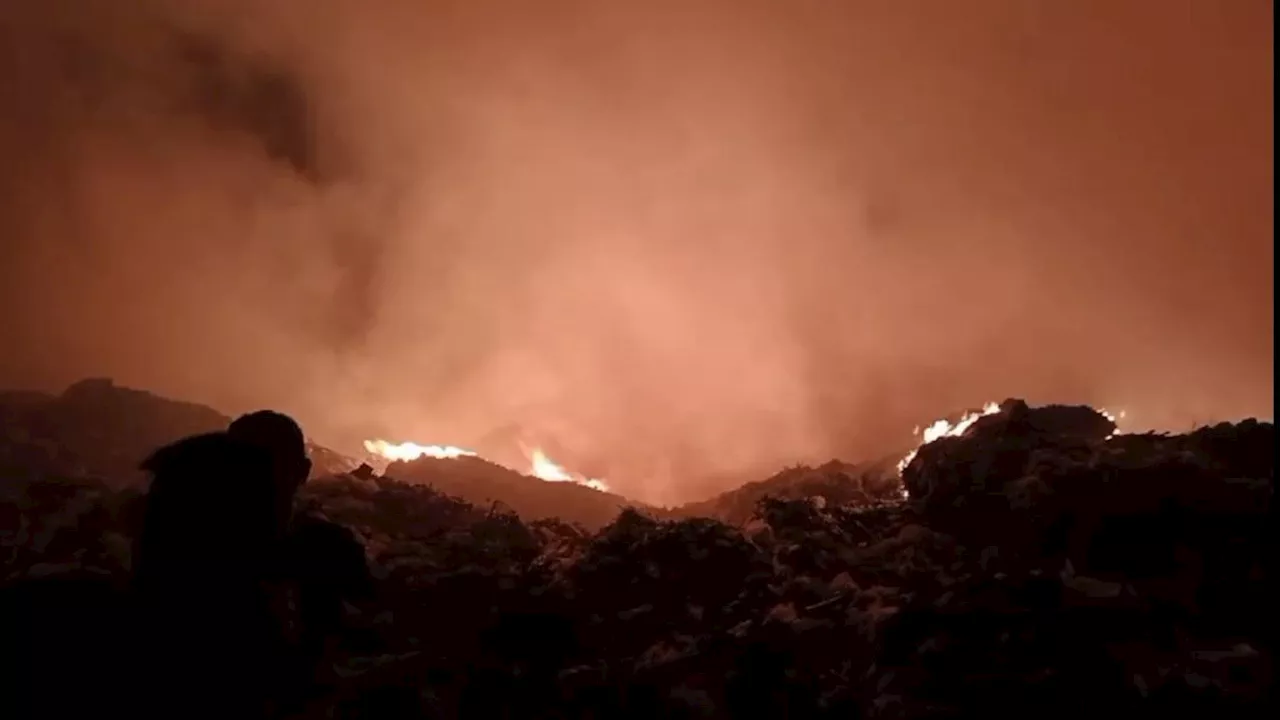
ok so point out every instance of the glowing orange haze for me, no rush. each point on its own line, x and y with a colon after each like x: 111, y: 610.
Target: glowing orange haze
x: 673, y: 244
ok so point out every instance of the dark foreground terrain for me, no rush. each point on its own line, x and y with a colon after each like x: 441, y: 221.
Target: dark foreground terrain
x: 1041, y: 566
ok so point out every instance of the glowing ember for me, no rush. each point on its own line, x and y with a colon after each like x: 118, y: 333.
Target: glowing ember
x: 408, y: 451
x: 943, y: 428
x: 1115, y: 420
x: 543, y: 468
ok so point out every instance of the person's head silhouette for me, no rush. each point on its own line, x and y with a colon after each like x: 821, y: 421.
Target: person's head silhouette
x: 210, y: 506
x: 280, y: 437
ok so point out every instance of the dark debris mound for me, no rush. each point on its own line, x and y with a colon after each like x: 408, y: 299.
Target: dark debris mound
x: 1042, y: 566
x: 835, y: 482
x: 482, y: 483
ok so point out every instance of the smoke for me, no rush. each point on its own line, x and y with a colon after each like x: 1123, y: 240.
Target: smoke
x: 672, y: 242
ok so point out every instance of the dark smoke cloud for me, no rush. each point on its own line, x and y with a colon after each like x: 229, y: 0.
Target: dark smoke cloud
x: 240, y: 94
x: 674, y: 242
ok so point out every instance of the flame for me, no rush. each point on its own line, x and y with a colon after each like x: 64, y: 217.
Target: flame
x: 408, y: 451
x: 544, y: 468
x: 540, y: 466
x: 943, y: 428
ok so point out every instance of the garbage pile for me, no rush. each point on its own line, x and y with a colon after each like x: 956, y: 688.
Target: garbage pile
x: 482, y: 483
x: 834, y: 482
x: 1040, y: 564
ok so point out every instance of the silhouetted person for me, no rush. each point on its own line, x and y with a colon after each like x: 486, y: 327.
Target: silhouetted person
x: 209, y: 543
x: 327, y: 567
x: 210, y: 556
x: 209, y: 510
x: 281, y: 442
x: 238, y: 596
x: 321, y: 564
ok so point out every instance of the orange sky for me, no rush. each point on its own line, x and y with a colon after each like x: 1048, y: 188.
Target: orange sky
x: 674, y: 241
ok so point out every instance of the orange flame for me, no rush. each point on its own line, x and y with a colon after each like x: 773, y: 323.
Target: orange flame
x: 540, y: 466
x: 943, y: 428
x: 408, y: 451
x: 543, y: 468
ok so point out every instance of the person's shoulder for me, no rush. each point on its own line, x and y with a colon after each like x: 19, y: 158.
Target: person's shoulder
x: 322, y: 548
x: 206, y: 454
x: 194, y: 451
x: 315, y: 533
x: 310, y: 522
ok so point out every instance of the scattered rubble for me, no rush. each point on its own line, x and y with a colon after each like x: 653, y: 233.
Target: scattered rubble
x: 1041, y: 565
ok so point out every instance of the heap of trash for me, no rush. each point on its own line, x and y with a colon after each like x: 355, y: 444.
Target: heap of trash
x: 1038, y: 563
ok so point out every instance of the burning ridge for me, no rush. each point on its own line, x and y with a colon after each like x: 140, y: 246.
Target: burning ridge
x: 541, y: 466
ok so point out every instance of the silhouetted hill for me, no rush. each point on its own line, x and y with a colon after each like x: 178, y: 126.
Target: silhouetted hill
x: 96, y: 428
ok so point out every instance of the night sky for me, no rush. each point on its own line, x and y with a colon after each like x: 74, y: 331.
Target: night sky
x: 674, y: 241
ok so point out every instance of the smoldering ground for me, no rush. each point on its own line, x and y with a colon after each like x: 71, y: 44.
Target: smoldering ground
x: 673, y: 240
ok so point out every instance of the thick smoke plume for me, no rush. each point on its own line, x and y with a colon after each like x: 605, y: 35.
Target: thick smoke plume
x: 674, y: 242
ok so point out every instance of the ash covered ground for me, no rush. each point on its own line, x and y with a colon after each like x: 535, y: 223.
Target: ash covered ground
x: 1039, y: 564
